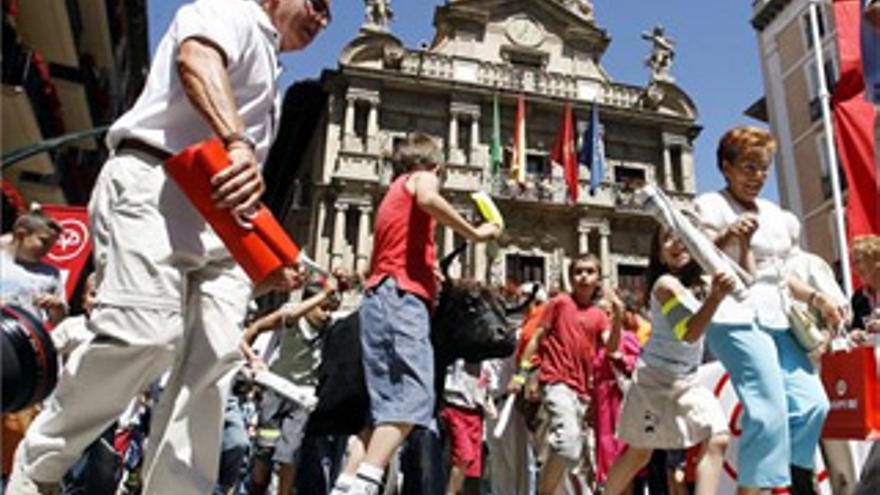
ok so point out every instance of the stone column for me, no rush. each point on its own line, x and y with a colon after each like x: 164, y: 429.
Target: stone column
x: 349, y: 117
x: 605, y: 253
x: 668, y: 181
x: 584, y: 240
x: 448, y: 247
x: 362, y: 261
x: 687, y: 169
x: 321, y: 248
x: 372, y: 126
x: 453, y: 136
x: 560, y: 271
x: 453, y: 131
x: 481, y: 263
x: 475, y: 157
x: 338, y: 247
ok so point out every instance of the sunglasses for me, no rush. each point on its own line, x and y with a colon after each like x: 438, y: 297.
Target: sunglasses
x: 321, y: 8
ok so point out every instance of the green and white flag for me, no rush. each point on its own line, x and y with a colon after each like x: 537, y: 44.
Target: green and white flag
x: 497, y: 155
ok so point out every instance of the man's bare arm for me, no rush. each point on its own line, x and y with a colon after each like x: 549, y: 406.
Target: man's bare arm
x: 428, y: 197
x: 203, y: 74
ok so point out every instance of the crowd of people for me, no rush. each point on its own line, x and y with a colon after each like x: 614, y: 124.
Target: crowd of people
x: 601, y: 392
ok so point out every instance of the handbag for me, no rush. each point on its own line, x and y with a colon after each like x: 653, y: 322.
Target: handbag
x: 805, y: 326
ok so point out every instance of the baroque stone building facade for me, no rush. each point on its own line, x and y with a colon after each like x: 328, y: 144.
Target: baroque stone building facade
x: 550, y: 52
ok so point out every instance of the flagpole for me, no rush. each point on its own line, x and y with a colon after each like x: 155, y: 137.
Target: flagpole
x: 830, y: 151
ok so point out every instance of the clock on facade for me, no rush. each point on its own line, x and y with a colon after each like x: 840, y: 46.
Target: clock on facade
x: 525, y: 32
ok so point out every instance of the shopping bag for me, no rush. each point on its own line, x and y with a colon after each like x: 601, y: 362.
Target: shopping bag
x: 261, y: 249
x: 850, y: 377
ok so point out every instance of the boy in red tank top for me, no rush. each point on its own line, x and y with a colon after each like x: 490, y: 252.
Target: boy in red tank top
x: 394, y: 316
x: 565, y: 340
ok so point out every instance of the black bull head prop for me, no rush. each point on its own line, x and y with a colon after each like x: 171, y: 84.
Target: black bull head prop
x: 469, y: 322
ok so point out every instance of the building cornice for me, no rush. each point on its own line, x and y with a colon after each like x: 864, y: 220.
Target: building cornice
x: 614, y: 98
x: 765, y: 11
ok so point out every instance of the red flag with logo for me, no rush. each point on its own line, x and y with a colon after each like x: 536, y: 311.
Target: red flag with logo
x: 563, y: 153
x: 854, y: 125
x: 74, y: 245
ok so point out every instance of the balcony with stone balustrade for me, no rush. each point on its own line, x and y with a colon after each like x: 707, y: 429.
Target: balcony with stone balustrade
x: 506, y: 77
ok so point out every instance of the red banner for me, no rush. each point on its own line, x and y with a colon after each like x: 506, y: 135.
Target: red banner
x: 563, y: 153
x: 74, y: 245
x: 854, y: 125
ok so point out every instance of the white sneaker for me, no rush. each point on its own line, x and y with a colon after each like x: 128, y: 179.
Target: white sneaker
x: 364, y: 487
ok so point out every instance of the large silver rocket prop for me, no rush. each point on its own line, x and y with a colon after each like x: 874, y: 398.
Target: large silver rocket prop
x: 702, y: 249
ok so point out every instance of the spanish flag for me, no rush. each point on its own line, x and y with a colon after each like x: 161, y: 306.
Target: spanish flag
x: 518, y: 165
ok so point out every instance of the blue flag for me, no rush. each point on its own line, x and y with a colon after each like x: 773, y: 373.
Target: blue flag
x: 592, y: 150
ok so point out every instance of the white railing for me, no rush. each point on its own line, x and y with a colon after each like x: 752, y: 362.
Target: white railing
x: 427, y: 64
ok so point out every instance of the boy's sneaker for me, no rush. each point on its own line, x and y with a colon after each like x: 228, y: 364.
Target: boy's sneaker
x: 364, y: 487
x: 343, y: 484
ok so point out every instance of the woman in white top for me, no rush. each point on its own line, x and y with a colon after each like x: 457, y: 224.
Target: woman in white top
x: 784, y: 401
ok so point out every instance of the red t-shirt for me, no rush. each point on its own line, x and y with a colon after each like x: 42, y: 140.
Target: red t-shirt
x: 403, y: 243
x: 569, y: 342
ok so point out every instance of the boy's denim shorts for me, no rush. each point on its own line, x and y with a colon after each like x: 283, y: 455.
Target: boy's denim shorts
x: 397, y: 355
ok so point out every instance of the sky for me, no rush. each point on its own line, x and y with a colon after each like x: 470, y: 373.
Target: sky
x: 716, y: 60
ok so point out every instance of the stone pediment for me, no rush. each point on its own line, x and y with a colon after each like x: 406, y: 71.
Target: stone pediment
x: 668, y: 99
x: 549, y: 35
x: 374, y: 48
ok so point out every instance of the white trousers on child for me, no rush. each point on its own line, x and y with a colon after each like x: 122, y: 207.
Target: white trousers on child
x: 169, y: 295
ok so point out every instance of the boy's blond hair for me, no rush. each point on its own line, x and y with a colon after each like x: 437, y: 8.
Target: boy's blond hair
x: 419, y: 151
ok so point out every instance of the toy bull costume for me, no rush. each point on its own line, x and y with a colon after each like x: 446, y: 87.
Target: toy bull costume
x: 468, y: 323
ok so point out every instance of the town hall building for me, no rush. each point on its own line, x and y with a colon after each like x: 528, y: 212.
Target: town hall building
x: 548, y: 51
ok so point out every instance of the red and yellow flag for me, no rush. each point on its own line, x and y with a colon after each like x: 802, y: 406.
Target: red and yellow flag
x: 518, y: 165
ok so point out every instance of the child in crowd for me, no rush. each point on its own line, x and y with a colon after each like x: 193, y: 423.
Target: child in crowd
x: 611, y: 372
x: 665, y: 407
x: 299, y: 357
x: 510, y: 456
x: 394, y: 317
x: 466, y: 400
x: 566, y: 342
x: 73, y: 331
x: 27, y: 281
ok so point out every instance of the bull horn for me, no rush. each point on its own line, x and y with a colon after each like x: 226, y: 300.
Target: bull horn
x: 525, y: 304
x: 449, y: 258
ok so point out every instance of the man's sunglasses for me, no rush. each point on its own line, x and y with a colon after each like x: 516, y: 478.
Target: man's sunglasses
x: 321, y: 8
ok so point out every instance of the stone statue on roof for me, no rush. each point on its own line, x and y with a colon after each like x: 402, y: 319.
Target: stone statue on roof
x: 378, y: 13
x: 662, y: 53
